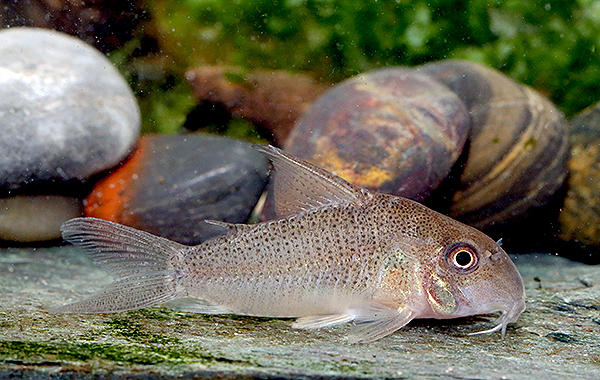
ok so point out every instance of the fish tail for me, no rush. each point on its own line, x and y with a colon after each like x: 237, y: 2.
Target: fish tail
x: 147, y: 269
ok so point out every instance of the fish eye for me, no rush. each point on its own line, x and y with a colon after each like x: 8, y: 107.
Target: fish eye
x: 462, y: 257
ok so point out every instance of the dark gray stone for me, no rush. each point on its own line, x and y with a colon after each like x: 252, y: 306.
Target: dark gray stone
x: 173, y: 183
x: 65, y: 111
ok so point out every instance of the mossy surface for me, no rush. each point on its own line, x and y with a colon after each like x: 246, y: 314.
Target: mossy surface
x: 556, y: 337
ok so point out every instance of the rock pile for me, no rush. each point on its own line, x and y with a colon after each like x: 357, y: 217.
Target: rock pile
x: 65, y: 114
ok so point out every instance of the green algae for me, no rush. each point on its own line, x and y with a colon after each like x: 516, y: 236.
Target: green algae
x: 81, y: 352
x: 133, y: 331
x: 116, y: 353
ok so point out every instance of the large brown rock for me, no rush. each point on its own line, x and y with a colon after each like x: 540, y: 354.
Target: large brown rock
x: 392, y: 130
x: 274, y: 99
x: 518, y: 145
x: 579, y: 217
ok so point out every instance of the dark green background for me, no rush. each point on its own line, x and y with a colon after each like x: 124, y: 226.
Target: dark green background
x: 549, y: 45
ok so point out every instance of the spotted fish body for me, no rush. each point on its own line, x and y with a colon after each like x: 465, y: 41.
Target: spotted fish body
x: 339, y: 253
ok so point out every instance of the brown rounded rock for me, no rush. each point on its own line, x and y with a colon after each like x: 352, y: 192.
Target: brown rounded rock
x: 392, y: 130
x: 274, y: 99
x: 579, y: 218
x: 518, y: 146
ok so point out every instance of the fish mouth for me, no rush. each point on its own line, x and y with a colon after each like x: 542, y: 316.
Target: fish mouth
x: 508, y: 315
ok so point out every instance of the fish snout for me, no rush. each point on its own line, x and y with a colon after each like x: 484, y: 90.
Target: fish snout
x: 510, y: 314
x: 504, y: 294
x: 510, y: 309
x: 507, y: 292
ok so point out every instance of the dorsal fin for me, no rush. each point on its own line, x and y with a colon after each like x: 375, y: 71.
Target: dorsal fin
x: 231, y: 227
x: 301, y: 186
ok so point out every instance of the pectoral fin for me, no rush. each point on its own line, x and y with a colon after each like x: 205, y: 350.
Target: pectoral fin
x: 318, y: 321
x: 375, y: 320
x: 379, y: 321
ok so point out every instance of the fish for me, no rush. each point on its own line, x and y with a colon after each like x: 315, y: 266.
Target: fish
x: 337, y: 253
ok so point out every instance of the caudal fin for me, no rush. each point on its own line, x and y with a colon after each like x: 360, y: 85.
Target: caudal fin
x: 146, y: 268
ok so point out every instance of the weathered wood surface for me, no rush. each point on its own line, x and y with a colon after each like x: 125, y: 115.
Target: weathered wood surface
x: 557, y: 337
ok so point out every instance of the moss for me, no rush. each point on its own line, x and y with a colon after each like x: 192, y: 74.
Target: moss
x: 153, y: 313
x: 132, y: 331
x: 238, y: 78
x: 237, y: 128
x: 110, y: 352
x: 163, y: 94
x: 26, y: 351
x: 531, y: 143
x: 549, y: 45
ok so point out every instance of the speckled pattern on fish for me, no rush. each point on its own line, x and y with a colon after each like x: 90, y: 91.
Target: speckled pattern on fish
x: 338, y: 254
